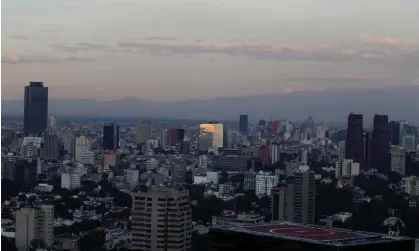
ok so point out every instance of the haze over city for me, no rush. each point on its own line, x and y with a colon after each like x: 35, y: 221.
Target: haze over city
x: 199, y: 49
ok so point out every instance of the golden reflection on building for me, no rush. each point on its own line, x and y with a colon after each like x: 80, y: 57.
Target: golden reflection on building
x: 210, y: 134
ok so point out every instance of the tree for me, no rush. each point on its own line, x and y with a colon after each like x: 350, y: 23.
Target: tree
x: 95, y: 240
x: 8, y: 244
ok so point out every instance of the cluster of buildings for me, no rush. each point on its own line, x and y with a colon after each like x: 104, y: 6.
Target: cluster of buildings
x: 157, y: 163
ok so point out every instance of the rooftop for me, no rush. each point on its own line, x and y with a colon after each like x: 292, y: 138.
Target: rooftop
x: 317, y: 234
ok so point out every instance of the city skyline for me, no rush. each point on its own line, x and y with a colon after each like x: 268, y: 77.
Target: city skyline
x: 206, y: 49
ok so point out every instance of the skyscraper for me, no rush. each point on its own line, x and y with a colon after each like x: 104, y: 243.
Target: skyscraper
x: 354, y: 144
x: 244, y: 124
x: 380, y: 158
x: 211, y: 135
x: 162, y: 219
x: 175, y: 136
x: 111, y: 137
x: 394, y: 130
x: 144, y: 131
x: 35, y: 109
x: 51, y: 145
x: 294, y: 200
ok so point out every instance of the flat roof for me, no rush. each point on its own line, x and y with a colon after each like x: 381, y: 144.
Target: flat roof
x: 305, y: 232
x: 313, y: 234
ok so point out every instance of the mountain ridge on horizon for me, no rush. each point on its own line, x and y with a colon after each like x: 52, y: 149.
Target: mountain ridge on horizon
x: 327, y: 105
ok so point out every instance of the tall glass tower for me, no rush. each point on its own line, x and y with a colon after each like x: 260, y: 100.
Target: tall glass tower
x: 35, y: 109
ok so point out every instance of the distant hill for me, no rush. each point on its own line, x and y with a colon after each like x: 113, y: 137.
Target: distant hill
x: 329, y: 106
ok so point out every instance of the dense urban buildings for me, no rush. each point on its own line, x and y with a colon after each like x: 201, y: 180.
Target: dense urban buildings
x: 179, y: 185
x: 35, y: 109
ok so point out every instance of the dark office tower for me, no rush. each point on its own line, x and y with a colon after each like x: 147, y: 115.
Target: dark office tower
x: 243, y: 124
x: 367, y: 149
x: 35, y: 109
x: 380, y: 144
x: 111, y: 137
x: 51, y: 145
x: 394, y: 130
x: 262, y: 125
x: 354, y: 145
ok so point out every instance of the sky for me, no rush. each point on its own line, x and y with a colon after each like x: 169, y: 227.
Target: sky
x: 201, y: 49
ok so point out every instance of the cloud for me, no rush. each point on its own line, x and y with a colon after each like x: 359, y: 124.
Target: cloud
x: 299, y: 87
x: 19, y: 37
x: 384, y: 40
x: 257, y: 50
x: 161, y: 38
x: 82, y: 46
x: 13, y: 58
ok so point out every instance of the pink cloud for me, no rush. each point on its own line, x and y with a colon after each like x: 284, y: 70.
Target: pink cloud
x: 384, y: 40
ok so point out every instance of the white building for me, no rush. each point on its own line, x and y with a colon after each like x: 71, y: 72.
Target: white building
x: 30, y: 146
x: 131, y: 177
x: 163, y: 137
x: 409, y: 142
x: 264, y: 183
x: 70, y: 180
x: 347, y: 168
x: 398, y: 160
x: 320, y: 133
x: 212, y: 177
x: 87, y: 157
x: 410, y: 185
x: 274, y: 154
x: 34, y: 223
x: 81, y: 144
x: 226, y: 189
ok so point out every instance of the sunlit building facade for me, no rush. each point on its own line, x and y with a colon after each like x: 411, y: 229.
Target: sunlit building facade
x: 211, y: 135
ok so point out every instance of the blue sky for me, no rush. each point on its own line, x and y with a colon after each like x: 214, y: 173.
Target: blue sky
x: 179, y: 49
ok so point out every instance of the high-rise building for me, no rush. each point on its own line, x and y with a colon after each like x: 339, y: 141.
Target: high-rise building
x: 273, y: 127
x: 394, y: 130
x: 163, y: 137
x: 51, y: 145
x: 34, y: 223
x: 264, y: 183
x: 162, y: 219
x: 403, y: 128
x: 71, y: 179
x: 244, y: 124
x: 144, y: 131
x: 175, y: 136
x: 81, y: 144
x: 398, y: 160
x: 294, y: 201
x: 409, y: 142
x: 211, y: 135
x: 262, y: 125
x: 52, y: 122
x: 274, y: 154
x: 111, y: 137
x: 380, y: 144
x: 35, y: 109
x: 354, y: 144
